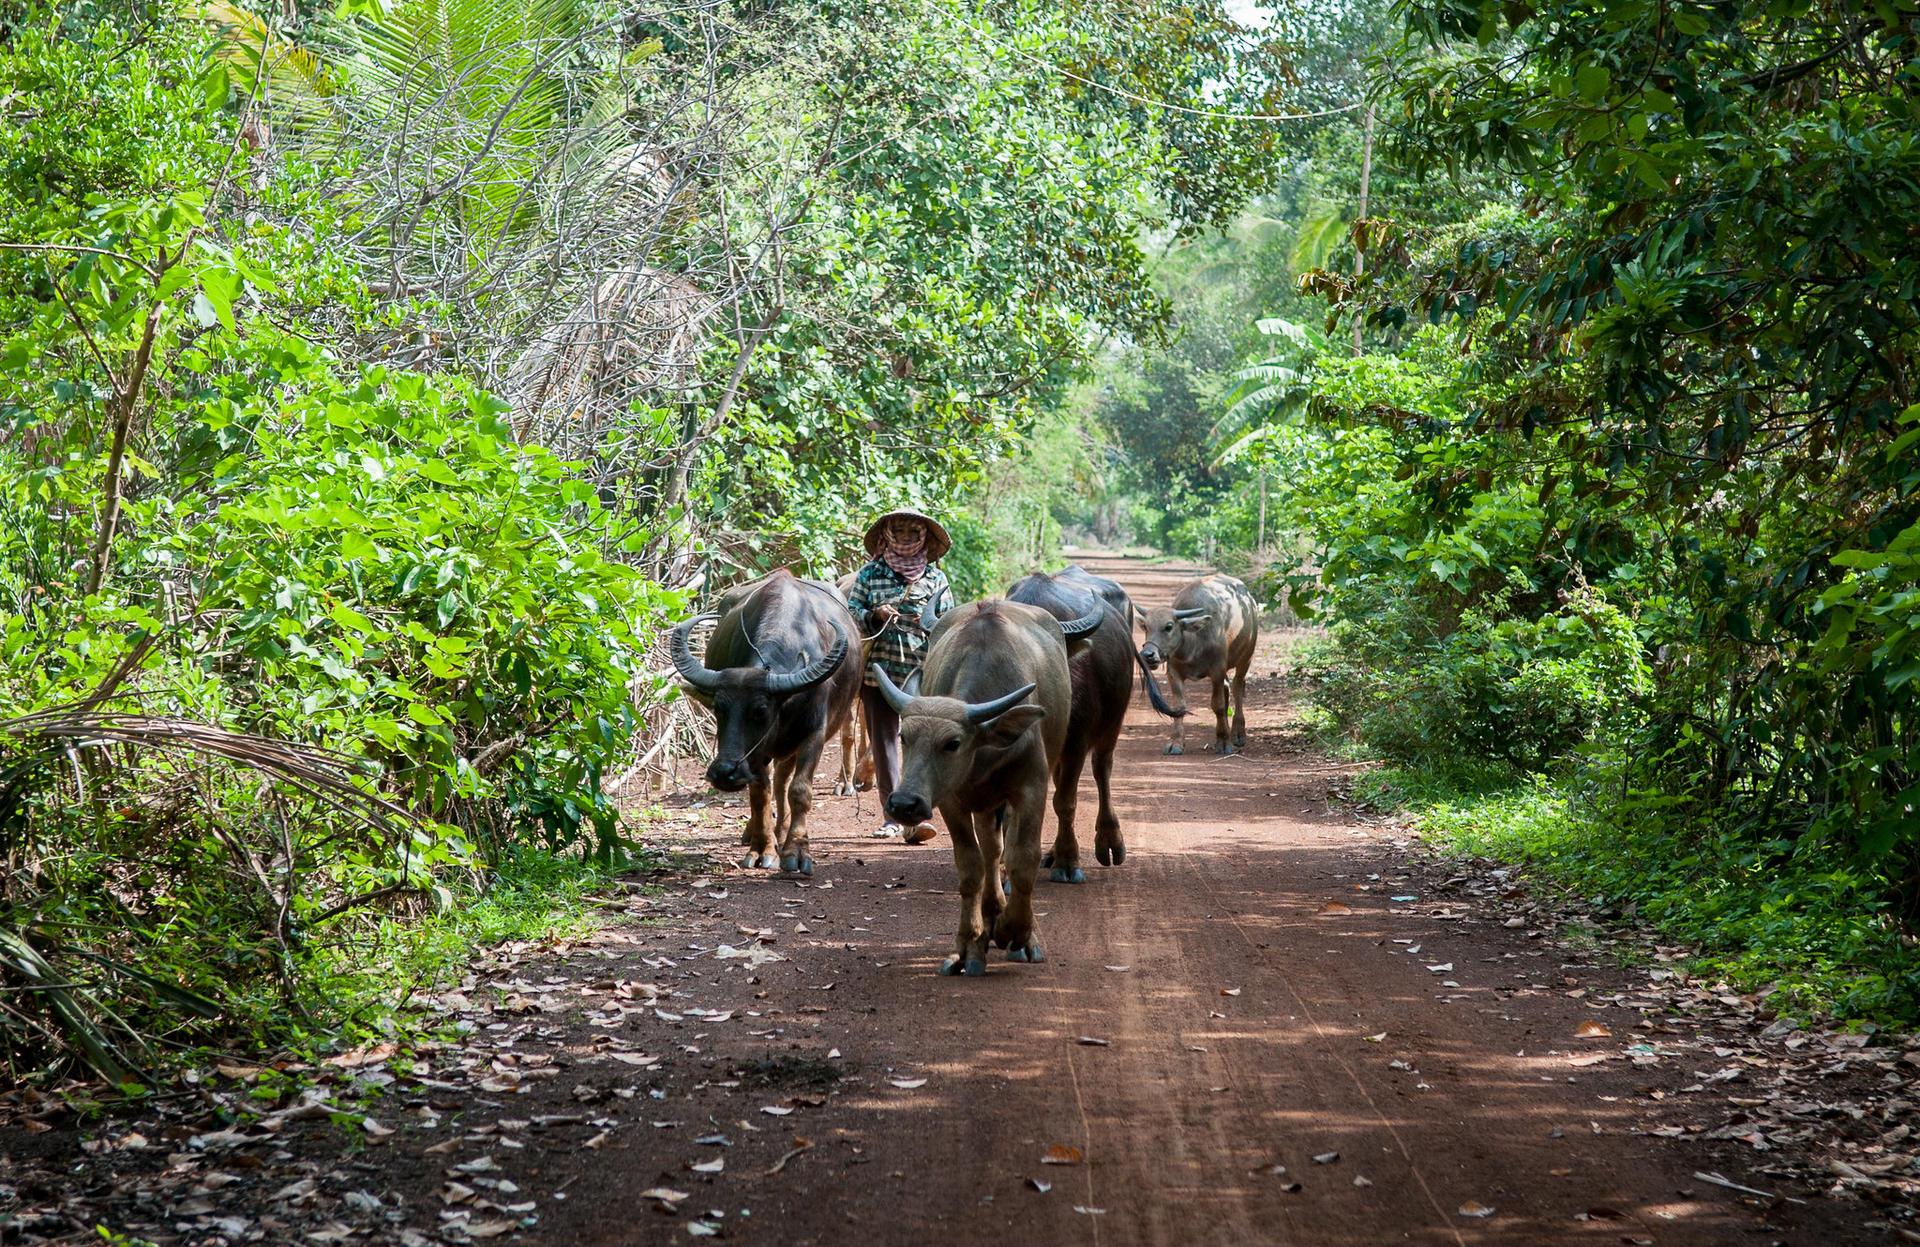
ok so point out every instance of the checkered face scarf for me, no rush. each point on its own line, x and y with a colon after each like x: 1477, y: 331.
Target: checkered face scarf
x: 904, y: 548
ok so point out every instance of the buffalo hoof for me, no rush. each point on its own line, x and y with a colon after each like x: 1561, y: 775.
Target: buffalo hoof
x: 843, y: 789
x: 1068, y: 874
x: 972, y: 967
x: 1006, y: 887
x: 763, y: 861
x: 1110, y: 854
x: 1223, y: 748
x: 797, y: 863
x: 1029, y: 952
x: 1174, y: 751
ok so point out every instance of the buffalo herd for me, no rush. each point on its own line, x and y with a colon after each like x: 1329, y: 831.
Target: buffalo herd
x: 1016, y: 694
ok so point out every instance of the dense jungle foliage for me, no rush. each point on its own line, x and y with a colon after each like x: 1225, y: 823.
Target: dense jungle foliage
x: 1592, y: 442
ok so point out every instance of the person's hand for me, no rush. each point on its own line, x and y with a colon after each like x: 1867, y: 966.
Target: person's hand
x: 881, y: 616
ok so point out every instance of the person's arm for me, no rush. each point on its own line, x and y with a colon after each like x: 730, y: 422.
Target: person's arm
x: 871, y: 615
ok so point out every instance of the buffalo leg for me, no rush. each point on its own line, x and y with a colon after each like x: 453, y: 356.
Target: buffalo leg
x: 793, y: 847
x: 759, y: 844
x: 1109, y: 846
x: 863, y: 768
x: 1025, y: 823
x: 1178, y: 687
x: 970, y: 941
x: 1240, y: 708
x: 1065, y: 858
x: 843, y: 779
x: 1222, y: 715
x: 987, y: 832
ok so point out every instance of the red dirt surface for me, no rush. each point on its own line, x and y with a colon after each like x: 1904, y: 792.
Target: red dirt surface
x: 1272, y: 1025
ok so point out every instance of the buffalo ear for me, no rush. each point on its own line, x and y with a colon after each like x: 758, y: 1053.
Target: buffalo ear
x: 1013, y: 724
x: 700, y: 695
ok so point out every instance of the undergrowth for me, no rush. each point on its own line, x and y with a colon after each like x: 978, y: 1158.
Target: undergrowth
x: 1819, y: 937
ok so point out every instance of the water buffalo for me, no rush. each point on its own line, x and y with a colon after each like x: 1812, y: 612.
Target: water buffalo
x: 979, y: 742
x: 1102, y: 679
x: 1208, y: 631
x: 778, y: 683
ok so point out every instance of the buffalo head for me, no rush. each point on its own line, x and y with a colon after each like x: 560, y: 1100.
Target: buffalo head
x: 946, y: 743
x: 746, y: 703
x: 1169, y: 631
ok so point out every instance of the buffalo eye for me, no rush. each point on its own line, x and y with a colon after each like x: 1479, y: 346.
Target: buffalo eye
x: 952, y: 746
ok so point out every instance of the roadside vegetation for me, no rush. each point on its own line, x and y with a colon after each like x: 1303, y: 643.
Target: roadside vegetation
x: 378, y: 378
x: 1590, y: 440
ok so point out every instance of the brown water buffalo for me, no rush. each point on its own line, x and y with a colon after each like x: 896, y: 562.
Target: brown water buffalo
x: 1102, y: 679
x: 1208, y: 631
x: 979, y: 743
x: 778, y: 682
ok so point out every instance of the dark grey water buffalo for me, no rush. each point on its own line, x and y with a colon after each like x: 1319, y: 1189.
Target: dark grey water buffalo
x: 778, y: 681
x: 1102, y: 678
x: 1209, y: 631
x: 979, y: 743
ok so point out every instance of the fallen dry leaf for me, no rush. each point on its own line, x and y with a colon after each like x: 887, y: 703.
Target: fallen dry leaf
x: 1061, y: 1154
x: 1335, y: 909
x: 908, y: 1084
x: 665, y: 1194
x: 1039, y: 1185
x: 716, y: 1165
x: 1474, y: 1208
x: 1326, y: 1158
x: 1088, y: 1041
x: 775, y: 1110
x: 1591, y: 1030
x: 1229, y: 991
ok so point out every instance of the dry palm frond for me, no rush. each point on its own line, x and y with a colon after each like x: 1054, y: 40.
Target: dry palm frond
x: 638, y: 331
x: 46, y: 1008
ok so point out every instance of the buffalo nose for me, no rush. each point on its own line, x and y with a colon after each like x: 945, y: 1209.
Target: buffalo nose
x: 907, y: 807
x: 728, y: 776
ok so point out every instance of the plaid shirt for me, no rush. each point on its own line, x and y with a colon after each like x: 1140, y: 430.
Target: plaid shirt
x: 902, y: 647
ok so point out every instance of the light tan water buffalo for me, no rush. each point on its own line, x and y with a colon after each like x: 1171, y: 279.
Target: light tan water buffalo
x: 777, y: 679
x: 979, y: 742
x: 1208, y: 631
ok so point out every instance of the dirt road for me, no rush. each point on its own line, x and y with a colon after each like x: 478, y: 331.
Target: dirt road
x: 1275, y: 1024
x: 1265, y: 1071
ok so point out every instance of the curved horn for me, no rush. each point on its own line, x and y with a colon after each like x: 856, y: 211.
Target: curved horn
x: 1086, y: 623
x: 814, y: 672
x: 691, y: 669
x: 1192, y: 612
x: 980, y: 712
x: 889, y: 690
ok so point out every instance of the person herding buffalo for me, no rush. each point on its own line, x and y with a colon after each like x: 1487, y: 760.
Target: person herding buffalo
x: 1207, y: 633
x: 896, y: 596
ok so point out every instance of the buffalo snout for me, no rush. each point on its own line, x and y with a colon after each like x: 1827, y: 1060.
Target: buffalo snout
x: 729, y: 775
x: 908, y: 808
x: 1151, y: 656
